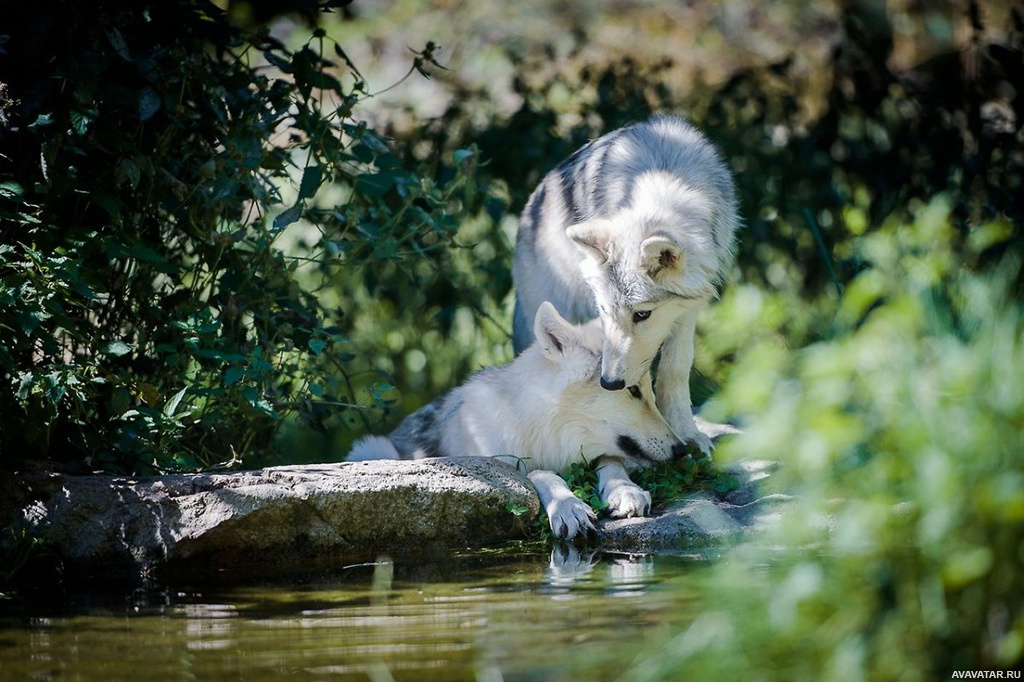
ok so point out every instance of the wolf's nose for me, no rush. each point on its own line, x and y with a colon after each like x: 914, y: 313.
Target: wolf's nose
x: 616, y: 385
x: 679, y: 450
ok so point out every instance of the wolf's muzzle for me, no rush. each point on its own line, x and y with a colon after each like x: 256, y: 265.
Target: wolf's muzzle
x: 680, y: 450
x: 616, y: 385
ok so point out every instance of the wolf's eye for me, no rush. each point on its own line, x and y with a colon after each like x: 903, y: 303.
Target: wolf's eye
x: 640, y: 316
x: 634, y: 391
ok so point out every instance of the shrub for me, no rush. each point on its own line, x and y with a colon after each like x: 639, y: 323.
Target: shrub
x: 901, y: 434
x: 150, y: 171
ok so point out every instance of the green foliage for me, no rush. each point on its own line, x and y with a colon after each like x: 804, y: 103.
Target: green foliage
x: 174, y: 192
x: 582, y: 480
x: 17, y: 549
x: 902, y: 435
x: 667, y: 483
x: 670, y: 481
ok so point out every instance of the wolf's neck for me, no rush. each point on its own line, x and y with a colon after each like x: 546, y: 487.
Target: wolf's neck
x: 508, y: 410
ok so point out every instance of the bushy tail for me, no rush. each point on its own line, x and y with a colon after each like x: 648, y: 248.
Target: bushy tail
x: 372, y: 447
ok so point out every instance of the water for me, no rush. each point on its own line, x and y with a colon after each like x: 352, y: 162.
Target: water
x: 528, y: 616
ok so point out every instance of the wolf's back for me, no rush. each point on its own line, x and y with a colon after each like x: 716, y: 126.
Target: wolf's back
x: 599, y: 180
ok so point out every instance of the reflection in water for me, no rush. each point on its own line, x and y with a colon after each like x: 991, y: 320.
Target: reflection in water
x: 571, y: 615
x: 569, y: 566
x: 627, y: 574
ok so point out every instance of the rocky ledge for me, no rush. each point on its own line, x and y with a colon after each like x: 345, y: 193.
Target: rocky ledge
x: 700, y: 520
x: 274, y: 521
x: 282, y: 520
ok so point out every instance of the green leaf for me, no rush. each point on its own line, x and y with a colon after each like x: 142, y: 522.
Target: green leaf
x: 312, y: 177
x: 31, y: 319
x: 989, y: 234
x: 516, y: 509
x: 325, y: 81
x: 233, y: 375
x: 82, y: 120
x: 172, y: 404
x: 375, y: 185
x: 120, y: 401
x: 149, y: 103
x: 341, y: 53
x: 116, y: 348
x: 317, y: 346
x: 288, y: 217
x: 26, y: 379
x: 128, y: 169
x: 55, y: 388
x: 280, y: 62
x: 11, y: 190
x: 460, y: 155
x: 118, y: 43
x: 260, y: 405
x: 187, y: 462
x: 41, y: 122
x: 147, y: 254
x: 108, y: 202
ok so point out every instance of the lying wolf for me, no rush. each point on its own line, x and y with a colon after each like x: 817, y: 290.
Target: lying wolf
x: 544, y: 411
x: 636, y: 228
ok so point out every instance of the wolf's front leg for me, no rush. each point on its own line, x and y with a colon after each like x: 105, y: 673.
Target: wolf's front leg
x: 568, y: 515
x: 623, y: 497
x: 672, y: 392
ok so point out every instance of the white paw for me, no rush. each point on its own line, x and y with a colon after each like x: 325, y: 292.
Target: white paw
x: 570, y: 517
x: 701, y: 441
x: 568, y: 561
x: 691, y: 435
x: 714, y: 430
x: 626, y: 500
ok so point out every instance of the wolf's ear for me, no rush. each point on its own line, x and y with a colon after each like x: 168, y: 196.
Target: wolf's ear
x: 661, y: 255
x: 591, y: 239
x: 553, y: 332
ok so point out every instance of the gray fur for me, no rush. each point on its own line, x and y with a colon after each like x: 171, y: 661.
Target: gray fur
x: 642, y: 218
x: 419, y: 434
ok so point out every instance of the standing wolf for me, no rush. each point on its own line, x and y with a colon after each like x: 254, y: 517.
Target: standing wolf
x: 637, y: 227
x: 545, y: 410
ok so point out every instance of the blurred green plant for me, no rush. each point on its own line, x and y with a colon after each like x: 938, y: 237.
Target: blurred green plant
x: 903, y: 435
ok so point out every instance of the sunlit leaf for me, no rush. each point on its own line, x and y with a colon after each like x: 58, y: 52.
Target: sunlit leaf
x: 172, y: 405
x: 116, y: 348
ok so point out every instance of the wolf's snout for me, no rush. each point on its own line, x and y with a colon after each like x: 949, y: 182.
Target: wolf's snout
x: 679, y: 450
x: 616, y: 385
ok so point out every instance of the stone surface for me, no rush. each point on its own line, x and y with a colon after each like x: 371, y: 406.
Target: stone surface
x: 285, y: 520
x: 275, y: 520
x: 700, y: 520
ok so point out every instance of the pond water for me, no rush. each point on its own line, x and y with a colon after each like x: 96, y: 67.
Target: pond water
x: 526, y: 616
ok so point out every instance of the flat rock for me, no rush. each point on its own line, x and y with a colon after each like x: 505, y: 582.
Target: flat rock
x: 700, y: 520
x: 275, y: 520
x: 297, y: 519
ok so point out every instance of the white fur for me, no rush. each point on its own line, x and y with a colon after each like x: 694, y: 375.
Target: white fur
x: 543, y: 411
x: 372, y: 447
x: 640, y: 220
x: 624, y: 498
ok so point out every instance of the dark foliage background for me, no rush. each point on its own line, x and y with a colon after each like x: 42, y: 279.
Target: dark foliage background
x: 149, y: 166
x: 209, y: 257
